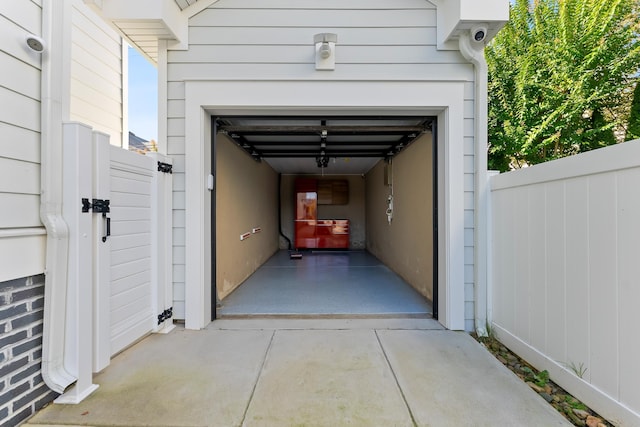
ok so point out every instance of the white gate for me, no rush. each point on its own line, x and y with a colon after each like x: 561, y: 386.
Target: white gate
x: 132, y: 310
x: 124, y: 250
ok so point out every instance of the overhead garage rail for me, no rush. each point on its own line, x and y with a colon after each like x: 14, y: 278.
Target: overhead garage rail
x: 324, y: 136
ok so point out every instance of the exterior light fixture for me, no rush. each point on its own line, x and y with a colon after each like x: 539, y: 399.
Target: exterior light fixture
x: 325, y: 48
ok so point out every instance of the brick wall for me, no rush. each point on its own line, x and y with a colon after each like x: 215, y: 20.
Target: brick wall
x: 22, y: 389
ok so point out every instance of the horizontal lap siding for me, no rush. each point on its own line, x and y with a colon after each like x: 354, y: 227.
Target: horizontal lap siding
x: 22, y: 250
x: 96, y: 73
x: 22, y: 240
x: 469, y: 206
x: 378, y: 40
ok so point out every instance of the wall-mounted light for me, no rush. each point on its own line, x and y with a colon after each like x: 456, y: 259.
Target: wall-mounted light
x: 325, y: 45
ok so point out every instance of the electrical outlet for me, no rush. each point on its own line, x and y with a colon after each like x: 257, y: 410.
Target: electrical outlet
x: 245, y: 236
x: 256, y: 230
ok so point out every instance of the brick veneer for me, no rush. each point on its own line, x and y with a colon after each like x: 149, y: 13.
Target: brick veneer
x: 22, y: 389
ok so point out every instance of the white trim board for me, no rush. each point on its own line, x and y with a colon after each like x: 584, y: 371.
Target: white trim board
x: 444, y: 99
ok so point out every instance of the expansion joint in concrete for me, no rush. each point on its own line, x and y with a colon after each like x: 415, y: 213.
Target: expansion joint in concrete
x: 395, y: 378
x: 255, y: 384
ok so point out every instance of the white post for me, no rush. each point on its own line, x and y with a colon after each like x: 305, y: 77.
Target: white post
x: 101, y: 255
x: 490, y: 174
x: 162, y: 243
x: 76, y: 165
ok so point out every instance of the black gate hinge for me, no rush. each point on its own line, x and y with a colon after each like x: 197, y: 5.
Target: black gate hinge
x: 96, y: 205
x: 165, y: 167
x: 165, y: 315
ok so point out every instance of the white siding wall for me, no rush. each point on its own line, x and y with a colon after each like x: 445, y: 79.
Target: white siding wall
x: 565, y: 260
x: 469, y: 214
x: 378, y: 40
x: 96, y: 74
x: 21, y: 238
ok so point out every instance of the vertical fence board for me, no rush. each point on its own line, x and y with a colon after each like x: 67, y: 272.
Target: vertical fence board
x: 603, y: 296
x: 520, y: 251
x: 555, y: 275
x: 498, y: 249
x: 537, y: 267
x: 577, y: 272
x: 629, y: 283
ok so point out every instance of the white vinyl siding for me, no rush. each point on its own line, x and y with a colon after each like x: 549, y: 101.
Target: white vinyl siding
x: 252, y: 40
x: 21, y: 236
x: 469, y: 206
x: 96, y: 74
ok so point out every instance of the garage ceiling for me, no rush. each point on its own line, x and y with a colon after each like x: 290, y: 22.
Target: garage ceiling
x: 323, y: 144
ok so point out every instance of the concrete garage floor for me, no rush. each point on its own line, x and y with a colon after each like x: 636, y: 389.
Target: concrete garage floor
x: 353, y: 283
x: 284, y: 372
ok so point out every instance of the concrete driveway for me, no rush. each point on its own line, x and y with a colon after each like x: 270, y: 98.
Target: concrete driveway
x: 365, y: 372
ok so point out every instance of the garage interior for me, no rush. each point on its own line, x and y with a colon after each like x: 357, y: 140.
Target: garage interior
x: 329, y: 216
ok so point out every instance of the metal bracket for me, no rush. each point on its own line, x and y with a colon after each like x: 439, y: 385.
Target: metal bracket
x: 96, y: 205
x: 165, y: 315
x: 165, y: 167
x: 99, y: 206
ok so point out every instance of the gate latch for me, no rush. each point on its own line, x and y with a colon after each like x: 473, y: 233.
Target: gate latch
x: 99, y: 206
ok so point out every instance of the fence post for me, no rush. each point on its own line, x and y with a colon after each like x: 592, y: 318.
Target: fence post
x: 77, y: 162
x: 490, y: 175
x: 101, y: 254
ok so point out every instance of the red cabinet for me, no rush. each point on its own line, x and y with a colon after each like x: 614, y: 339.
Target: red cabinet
x: 310, y: 232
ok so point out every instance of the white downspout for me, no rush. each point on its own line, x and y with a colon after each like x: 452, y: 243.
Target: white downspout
x: 55, y: 65
x: 474, y: 52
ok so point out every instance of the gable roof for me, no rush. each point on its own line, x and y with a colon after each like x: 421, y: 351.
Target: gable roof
x: 137, y: 144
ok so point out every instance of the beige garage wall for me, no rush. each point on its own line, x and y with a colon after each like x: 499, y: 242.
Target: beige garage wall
x: 405, y: 245
x: 246, y: 198
x: 354, y: 211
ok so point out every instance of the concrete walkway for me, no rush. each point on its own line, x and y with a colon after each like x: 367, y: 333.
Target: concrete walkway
x: 277, y: 372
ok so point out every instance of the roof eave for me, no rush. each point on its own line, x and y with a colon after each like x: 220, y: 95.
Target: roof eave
x: 456, y: 17
x: 143, y: 22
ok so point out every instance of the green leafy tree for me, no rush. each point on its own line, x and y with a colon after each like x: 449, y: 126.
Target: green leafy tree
x: 558, y: 72
x: 633, y: 130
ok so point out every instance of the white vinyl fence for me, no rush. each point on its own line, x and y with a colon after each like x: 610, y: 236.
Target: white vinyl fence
x: 117, y: 205
x: 566, y: 274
